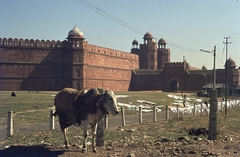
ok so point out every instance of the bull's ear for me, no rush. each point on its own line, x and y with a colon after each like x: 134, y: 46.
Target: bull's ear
x: 99, y: 102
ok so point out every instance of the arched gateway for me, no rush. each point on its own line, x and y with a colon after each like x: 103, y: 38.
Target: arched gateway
x: 173, y: 84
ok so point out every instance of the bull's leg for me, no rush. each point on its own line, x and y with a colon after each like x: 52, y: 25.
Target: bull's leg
x: 85, y: 134
x: 94, y: 132
x: 64, y: 129
x: 65, y: 137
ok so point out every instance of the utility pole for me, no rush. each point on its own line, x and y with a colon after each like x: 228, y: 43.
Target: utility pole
x: 226, y: 73
x: 212, y: 135
x: 214, y: 67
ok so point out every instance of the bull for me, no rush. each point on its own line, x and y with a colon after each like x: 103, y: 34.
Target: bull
x: 84, y: 107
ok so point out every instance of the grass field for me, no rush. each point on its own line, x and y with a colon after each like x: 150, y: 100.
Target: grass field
x: 33, y: 107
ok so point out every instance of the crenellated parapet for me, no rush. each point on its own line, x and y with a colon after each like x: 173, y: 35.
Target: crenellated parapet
x: 111, y: 52
x: 29, y: 43
x: 174, y: 64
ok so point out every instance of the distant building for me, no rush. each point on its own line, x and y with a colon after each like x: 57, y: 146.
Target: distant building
x: 53, y: 65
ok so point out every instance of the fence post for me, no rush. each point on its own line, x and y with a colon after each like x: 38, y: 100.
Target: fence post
x: 52, y: 121
x: 201, y: 109
x: 10, y: 124
x: 167, y: 112
x: 140, y: 115
x: 221, y: 106
x: 177, y: 111
x: 106, y: 122
x: 212, y: 134
x: 194, y: 109
x: 154, y: 114
x: 123, y: 116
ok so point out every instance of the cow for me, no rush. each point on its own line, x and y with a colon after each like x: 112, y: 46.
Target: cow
x: 88, y: 108
x: 67, y: 109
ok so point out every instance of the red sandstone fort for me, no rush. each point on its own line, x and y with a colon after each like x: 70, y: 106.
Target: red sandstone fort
x: 52, y: 65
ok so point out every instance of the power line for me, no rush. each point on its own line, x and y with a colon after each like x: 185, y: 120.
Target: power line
x: 235, y: 52
x: 235, y: 39
x: 222, y: 55
x: 234, y: 34
x: 183, y: 48
x: 110, y: 17
x: 125, y: 24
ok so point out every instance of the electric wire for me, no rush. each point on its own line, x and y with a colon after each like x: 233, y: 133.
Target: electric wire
x: 236, y: 36
x: 110, y: 17
x: 235, y: 52
x: 127, y: 25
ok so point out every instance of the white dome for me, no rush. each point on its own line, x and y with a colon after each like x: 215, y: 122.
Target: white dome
x: 75, y: 33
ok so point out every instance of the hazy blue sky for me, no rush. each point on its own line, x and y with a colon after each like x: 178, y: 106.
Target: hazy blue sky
x: 186, y: 25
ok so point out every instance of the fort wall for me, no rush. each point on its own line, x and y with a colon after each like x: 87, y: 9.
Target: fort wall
x: 146, y: 82
x: 53, y: 65
x: 108, y: 68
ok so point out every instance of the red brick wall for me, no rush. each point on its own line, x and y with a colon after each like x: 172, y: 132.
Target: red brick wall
x: 108, y: 68
x: 44, y: 65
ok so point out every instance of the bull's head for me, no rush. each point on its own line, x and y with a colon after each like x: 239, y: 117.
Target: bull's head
x: 109, y: 102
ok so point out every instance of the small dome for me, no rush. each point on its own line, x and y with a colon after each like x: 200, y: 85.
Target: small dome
x: 231, y: 63
x: 204, y: 67
x: 161, y: 41
x: 135, y: 42
x: 75, y: 33
x: 148, y: 36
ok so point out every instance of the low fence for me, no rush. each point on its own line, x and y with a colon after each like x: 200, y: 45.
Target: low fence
x: 197, y: 108
x: 176, y: 111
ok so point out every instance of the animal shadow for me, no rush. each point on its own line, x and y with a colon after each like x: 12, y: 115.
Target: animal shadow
x: 29, y: 151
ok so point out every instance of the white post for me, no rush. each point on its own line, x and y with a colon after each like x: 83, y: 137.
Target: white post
x: 106, y: 122
x: 140, y: 115
x: 154, y: 114
x: 10, y: 124
x: 194, y: 105
x: 123, y: 116
x: 221, y: 106
x: 201, y: 109
x: 52, y: 121
x: 177, y: 111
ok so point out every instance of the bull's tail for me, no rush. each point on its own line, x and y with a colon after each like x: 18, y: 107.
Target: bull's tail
x: 55, y: 113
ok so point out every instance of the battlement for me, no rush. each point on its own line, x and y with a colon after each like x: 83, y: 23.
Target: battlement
x: 50, y: 44
x: 174, y: 64
x: 29, y: 43
x: 109, y: 51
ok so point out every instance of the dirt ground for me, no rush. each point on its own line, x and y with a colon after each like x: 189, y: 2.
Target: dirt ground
x: 159, y: 148
x: 227, y: 147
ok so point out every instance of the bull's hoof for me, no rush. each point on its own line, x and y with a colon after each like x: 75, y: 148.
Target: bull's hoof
x: 66, y: 145
x: 84, y: 150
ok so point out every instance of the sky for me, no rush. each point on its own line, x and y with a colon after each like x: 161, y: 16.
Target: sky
x: 186, y: 25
